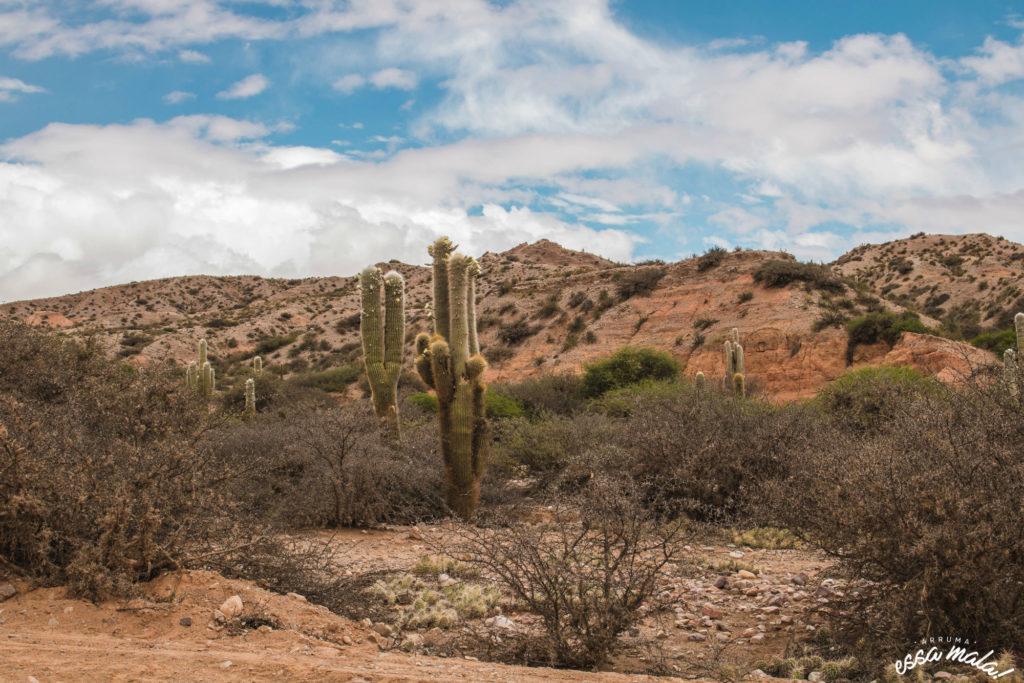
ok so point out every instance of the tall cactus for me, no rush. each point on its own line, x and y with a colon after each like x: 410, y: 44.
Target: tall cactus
x: 257, y: 365
x: 1013, y: 360
x: 383, y: 344
x: 450, y: 363
x: 250, y: 400
x: 1018, y: 322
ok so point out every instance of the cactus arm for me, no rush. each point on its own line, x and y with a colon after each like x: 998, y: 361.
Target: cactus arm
x: 730, y: 363
x: 737, y: 352
x: 472, y: 273
x: 383, y: 337
x: 440, y: 250
x: 424, y: 365
x: 394, y: 323
x: 1018, y: 323
x: 458, y: 276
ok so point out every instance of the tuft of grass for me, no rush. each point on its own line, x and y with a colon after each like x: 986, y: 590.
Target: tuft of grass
x: 436, y: 566
x: 769, y: 538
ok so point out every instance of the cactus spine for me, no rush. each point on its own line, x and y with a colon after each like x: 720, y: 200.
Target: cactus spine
x: 383, y: 344
x: 250, y: 399
x: 450, y: 363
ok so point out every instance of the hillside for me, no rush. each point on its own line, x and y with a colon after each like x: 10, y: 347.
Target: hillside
x: 970, y: 283
x: 543, y: 308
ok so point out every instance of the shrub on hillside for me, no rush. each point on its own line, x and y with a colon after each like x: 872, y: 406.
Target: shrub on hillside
x: 997, y: 342
x: 779, y: 273
x: 711, y: 258
x: 878, y: 326
x: 638, y: 282
x: 867, y: 400
x: 627, y: 366
x: 548, y: 394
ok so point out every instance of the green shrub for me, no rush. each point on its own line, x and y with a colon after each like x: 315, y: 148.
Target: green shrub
x: 268, y: 345
x: 711, y: 258
x: 638, y: 282
x: 997, y: 342
x: 499, y: 406
x: 881, y: 326
x: 428, y: 402
x: 335, y: 379
x: 865, y: 400
x: 779, y: 273
x: 627, y: 366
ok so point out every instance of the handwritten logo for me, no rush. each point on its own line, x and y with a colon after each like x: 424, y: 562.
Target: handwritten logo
x: 959, y: 652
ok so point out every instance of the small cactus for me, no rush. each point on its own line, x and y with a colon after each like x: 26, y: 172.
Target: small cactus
x: 739, y: 385
x: 735, y: 364
x: 257, y: 366
x: 698, y: 381
x: 383, y: 338
x: 250, y: 399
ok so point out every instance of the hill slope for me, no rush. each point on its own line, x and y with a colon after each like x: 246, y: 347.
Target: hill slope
x: 541, y: 308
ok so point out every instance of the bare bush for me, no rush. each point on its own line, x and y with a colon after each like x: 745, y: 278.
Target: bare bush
x: 586, y: 572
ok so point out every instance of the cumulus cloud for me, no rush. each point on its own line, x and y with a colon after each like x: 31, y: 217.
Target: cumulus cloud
x: 394, y: 78
x: 349, y: 83
x: 247, y: 87
x: 211, y: 196
x: 193, y: 57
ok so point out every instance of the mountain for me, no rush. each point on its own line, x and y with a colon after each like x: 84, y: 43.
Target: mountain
x: 542, y: 308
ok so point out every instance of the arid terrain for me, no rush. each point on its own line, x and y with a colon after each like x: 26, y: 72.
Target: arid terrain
x: 545, y: 309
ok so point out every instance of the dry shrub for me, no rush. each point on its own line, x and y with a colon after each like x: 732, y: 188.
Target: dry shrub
x: 586, y: 572
x: 104, y: 478
x: 328, y: 467
x: 924, y: 516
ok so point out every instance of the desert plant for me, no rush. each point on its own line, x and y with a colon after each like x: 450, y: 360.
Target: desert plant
x: 200, y: 376
x: 257, y: 365
x: 250, y: 399
x: 698, y: 381
x: 383, y: 344
x: 734, y: 364
x: 628, y: 365
x: 450, y: 363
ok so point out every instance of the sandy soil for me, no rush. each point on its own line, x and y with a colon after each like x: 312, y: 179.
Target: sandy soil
x: 173, y: 633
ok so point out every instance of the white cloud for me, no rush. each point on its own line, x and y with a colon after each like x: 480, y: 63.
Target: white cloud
x: 998, y: 63
x: 211, y: 196
x: 349, y: 83
x: 247, y: 87
x: 394, y: 78
x: 11, y: 88
x: 193, y: 57
x: 178, y: 96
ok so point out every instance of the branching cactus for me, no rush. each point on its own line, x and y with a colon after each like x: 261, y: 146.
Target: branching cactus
x: 250, y: 399
x: 735, y: 365
x: 450, y: 363
x: 200, y: 377
x: 383, y: 344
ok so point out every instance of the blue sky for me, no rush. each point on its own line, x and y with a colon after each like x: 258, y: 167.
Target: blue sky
x: 152, y: 138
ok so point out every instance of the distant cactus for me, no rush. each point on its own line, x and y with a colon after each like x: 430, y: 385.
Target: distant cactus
x: 450, y: 363
x: 383, y: 344
x: 739, y: 385
x: 734, y: 363
x: 698, y: 381
x: 1010, y: 371
x: 250, y: 400
x: 257, y: 366
x: 199, y: 377
x: 1018, y: 322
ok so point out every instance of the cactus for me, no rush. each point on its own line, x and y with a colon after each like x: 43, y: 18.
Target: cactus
x: 739, y: 385
x: 199, y: 376
x: 383, y: 344
x: 450, y: 363
x: 698, y: 381
x: 735, y: 365
x: 257, y: 366
x: 1018, y: 323
x: 250, y: 400
x: 1010, y: 371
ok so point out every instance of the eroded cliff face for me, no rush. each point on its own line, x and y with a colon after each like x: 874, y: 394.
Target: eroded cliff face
x: 574, y: 308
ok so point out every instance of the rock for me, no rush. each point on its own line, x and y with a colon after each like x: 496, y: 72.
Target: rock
x: 757, y: 673
x: 942, y: 676
x: 185, y: 621
x: 501, y: 621
x: 799, y: 579
x: 231, y: 607
x: 823, y: 592
x: 296, y: 596
x: 721, y: 583
x: 264, y: 628
x: 697, y: 637
x: 226, y: 664
x: 7, y: 591
x: 816, y: 677
x: 415, y: 534
x: 736, y: 554
x: 744, y: 574
x: 711, y: 612
x: 757, y: 638
x: 661, y: 634
x: 346, y: 639
x: 367, y: 623
x: 444, y: 580
x: 383, y: 629
x: 778, y: 600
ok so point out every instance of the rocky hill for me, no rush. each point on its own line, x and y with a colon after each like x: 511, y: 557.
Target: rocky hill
x: 968, y: 282
x: 543, y: 308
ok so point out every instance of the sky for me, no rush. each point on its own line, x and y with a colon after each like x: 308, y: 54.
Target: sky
x: 142, y: 139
